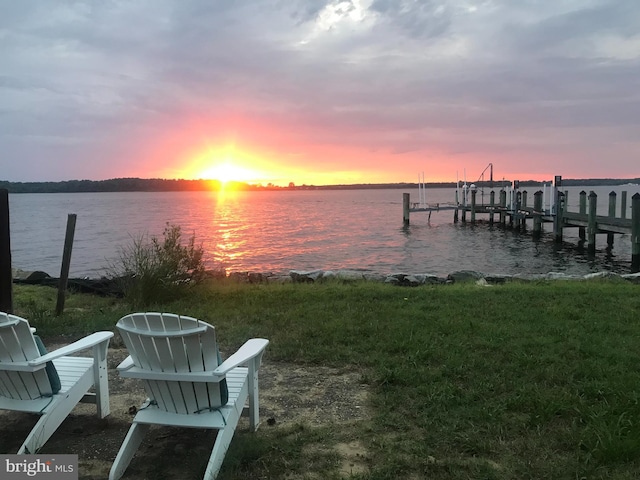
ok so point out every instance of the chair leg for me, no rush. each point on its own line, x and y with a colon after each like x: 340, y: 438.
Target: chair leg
x: 254, y: 400
x: 101, y: 378
x: 128, y: 449
x: 41, y: 432
x: 54, y: 414
x: 220, y: 447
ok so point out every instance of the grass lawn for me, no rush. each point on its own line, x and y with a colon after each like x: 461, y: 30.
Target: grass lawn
x: 514, y: 381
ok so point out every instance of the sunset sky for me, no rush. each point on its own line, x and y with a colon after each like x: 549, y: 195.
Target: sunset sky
x: 319, y: 92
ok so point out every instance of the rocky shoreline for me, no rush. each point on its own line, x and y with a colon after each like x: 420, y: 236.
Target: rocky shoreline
x: 106, y: 286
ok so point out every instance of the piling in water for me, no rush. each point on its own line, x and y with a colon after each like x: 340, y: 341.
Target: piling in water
x: 635, y: 232
x: 612, y: 214
x: 591, y: 226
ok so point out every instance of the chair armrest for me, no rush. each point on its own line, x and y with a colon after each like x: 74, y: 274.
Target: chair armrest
x: 251, y: 349
x: 82, y: 344
x: 125, y: 364
x: 128, y: 370
x: 21, y: 367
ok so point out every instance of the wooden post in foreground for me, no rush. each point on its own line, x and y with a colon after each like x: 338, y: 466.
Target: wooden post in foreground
x: 591, y: 228
x: 623, y: 205
x: 6, y: 281
x: 66, y: 262
x: 635, y: 233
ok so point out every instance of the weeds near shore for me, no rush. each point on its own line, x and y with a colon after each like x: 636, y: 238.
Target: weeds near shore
x: 152, y: 270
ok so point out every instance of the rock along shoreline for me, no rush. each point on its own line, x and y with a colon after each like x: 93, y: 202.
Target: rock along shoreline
x: 106, y: 286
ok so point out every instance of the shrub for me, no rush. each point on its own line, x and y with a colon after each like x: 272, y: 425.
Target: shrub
x: 151, y: 269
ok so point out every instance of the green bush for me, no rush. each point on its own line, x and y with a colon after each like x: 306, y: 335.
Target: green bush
x: 153, y: 270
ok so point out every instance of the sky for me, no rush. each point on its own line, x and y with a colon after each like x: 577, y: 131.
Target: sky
x: 319, y: 92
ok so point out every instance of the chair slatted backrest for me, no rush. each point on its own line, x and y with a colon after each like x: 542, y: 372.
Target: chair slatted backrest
x: 18, y: 345
x: 163, y: 342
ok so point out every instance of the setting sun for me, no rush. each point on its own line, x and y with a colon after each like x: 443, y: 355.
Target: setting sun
x: 227, y: 172
x: 225, y: 164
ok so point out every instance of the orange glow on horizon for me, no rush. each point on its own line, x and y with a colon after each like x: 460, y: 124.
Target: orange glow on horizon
x: 263, y: 153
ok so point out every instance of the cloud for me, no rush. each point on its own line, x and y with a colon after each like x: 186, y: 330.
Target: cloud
x: 89, y: 86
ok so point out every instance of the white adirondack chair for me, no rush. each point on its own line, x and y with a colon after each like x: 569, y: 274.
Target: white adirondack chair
x: 177, y: 359
x: 26, y: 386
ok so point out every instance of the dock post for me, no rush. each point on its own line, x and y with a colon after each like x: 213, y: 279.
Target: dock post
x: 635, y: 233
x: 516, y: 210
x: 455, y: 212
x: 6, y: 282
x: 503, y: 205
x: 583, y: 211
x: 612, y: 214
x: 406, y: 201
x: 511, y: 202
x: 537, y: 213
x: 558, y: 221
x: 524, y: 207
x: 473, y: 205
x: 492, y: 203
x: 592, y: 225
x: 623, y: 205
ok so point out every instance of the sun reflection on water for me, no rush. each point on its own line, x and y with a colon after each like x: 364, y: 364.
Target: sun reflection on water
x: 229, y: 228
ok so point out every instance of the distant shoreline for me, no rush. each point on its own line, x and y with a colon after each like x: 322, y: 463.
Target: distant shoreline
x: 181, y: 185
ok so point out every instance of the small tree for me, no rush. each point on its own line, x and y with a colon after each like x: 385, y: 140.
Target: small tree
x: 153, y: 269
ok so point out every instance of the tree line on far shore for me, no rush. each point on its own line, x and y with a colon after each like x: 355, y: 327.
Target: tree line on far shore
x: 179, y: 185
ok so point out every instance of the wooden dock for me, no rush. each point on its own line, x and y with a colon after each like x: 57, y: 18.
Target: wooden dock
x: 515, y: 210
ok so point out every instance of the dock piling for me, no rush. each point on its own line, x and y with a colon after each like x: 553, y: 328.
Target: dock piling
x: 558, y: 221
x: 612, y: 214
x: 492, y: 202
x: 635, y: 233
x: 473, y: 205
x: 406, y: 203
x: 455, y: 212
x: 582, y: 234
x: 503, y: 205
x: 592, y: 225
x: 537, y: 213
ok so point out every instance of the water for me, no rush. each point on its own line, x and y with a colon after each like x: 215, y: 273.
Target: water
x: 302, y: 230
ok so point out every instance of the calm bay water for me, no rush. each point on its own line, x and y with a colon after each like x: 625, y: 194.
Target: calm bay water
x: 302, y: 230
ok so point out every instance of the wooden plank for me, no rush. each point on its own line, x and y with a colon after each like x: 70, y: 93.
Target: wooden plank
x: 66, y: 262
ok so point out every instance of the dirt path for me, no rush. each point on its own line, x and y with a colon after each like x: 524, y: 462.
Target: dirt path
x: 290, y: 394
